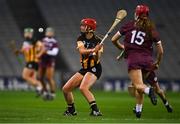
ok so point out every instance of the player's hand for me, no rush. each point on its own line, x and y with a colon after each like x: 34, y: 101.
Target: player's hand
x: 155, y: 66
x: 98, y: 47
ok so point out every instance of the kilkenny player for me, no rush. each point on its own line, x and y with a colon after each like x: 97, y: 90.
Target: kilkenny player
x: 48, y: 53
x: 30, y: 50
x: 140, y: 34
x: 87, y: 44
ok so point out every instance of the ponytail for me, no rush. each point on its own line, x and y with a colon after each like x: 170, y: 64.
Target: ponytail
x: 145, y: 24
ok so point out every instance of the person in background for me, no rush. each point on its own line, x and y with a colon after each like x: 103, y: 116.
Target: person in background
x: 47, y: 56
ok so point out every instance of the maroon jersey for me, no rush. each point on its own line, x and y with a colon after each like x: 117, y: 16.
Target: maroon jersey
x: 138, y: 47
x: 51, y: 46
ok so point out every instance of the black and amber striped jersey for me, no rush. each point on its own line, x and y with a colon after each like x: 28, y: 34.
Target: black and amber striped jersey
x: 89, y: 60
x: 30, y: 50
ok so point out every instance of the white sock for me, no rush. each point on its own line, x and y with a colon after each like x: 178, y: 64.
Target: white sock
x: 146, y: 91
x: 45, y: 93
x: 138, y: 107
x: 38, y: 88
x: 166, y: 104
x: 53, y: 95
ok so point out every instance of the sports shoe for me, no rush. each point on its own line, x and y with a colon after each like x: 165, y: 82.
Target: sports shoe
x: 95, y: 113
x: 138, y: 114
x: 152, y: 96
x: 38, y: 93
x: 169, y: 108
x: 70, y: 113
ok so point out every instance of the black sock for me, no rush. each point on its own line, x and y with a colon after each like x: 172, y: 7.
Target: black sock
x: 71, y: 107
x: 94, y: 106
x: 164, y: 100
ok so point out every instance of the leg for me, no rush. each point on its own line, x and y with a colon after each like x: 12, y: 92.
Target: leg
x: 139, y: 100
x: 30, y: 76
x: 88, y: 80
x: 41, y: 76
x: 152, y: 80
x: 72, y: 83
x: 137, y: 80
x: 50, y: 78
x: 161, y: 94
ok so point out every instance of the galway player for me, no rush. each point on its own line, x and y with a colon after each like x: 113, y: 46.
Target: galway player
x: 140, y: 34
x: 30, y: 51
x: 87, y: 44
x: 47, y: 63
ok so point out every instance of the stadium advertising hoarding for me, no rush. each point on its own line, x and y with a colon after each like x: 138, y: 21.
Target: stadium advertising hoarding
x: 109, y: 84
x: 118, y: 84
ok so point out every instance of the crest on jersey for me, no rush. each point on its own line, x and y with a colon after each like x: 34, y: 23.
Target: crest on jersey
x: 94, y: 69
x: 30, y: 65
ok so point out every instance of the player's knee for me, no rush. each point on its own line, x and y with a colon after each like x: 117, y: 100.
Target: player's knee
x: 159, y: 91
x: 65, y: 89
x: 139, y: 87
x: 83, y: 89
x: 24, y: 76
x: 136, y: 86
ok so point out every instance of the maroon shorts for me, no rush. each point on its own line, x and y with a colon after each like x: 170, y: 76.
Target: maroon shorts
x: 47, y: 63
x: 135, y: 61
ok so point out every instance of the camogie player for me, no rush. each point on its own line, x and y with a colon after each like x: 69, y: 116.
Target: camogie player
x: 30, y: 51
x: 49, y: 51
x: 149, y: 76
x: 87, y: 44
x: 140, y: 34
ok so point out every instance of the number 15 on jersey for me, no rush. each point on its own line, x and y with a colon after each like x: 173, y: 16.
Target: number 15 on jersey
x: 138, y: 37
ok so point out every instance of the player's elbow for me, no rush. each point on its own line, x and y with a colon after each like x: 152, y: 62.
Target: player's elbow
x: 113, y: 40
x: 116, y: 37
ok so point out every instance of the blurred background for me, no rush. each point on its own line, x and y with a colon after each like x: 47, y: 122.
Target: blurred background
x: 64, y: 16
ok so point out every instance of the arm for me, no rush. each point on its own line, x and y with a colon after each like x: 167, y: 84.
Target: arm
x: 53, y: 52
x: 115, y: 41
x: 82, y: 49
x: 160, y: 52
x: 41, y: 49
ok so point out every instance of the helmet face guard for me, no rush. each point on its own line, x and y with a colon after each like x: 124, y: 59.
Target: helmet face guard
x: 141, y: 10
x: 49, y: 32
x: 50, y: 29
x: 88, y: 25
x: 28, y: 30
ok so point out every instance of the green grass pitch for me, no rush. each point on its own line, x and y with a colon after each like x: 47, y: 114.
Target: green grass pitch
x: 18, y: 106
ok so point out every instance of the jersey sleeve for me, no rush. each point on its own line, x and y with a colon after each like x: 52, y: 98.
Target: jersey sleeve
x: 79, y: 42
x: 80, y: 38
x: 25, y: 45
x: 123, y: 29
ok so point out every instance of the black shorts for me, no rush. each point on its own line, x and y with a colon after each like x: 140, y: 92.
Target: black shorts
x: 32, y: 65
x: 96, y: 70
